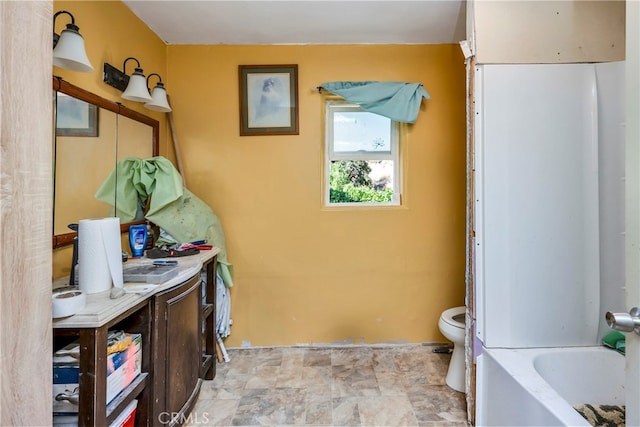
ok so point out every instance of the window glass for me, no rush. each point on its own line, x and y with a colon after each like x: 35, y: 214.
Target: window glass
x: 362, y: 157
x: 361, y: 131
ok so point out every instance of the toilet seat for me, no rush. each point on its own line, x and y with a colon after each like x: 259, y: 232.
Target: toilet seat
x: 451, y: 315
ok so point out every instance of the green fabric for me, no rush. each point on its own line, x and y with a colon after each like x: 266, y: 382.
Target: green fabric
x: 134, y: 180
x: 188, y: 219
x: 396, y: 100
x: 615, y: 340
x: 173, y: 207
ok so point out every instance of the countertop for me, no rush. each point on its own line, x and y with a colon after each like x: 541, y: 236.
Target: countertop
x: 100, y: 308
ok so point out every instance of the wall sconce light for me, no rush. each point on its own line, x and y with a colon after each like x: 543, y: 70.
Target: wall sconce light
x: 68, y: 47
x: 134, y: 88
x: 159, y: 101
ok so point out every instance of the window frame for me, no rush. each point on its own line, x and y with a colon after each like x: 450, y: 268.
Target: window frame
x: 333, y: 106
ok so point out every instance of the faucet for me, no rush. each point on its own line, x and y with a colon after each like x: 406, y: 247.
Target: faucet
x: 625, y: 322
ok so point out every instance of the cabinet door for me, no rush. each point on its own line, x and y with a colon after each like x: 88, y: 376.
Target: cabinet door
x: 179, y: 347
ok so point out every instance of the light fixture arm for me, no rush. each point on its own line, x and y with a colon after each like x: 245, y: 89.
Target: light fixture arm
x: 136, y: 86
x: 71, y: 27
x: 119, y: 79
x: 159, y: 79
x: 73, y: 20
x: 133, y: 87
x: 124, y: 65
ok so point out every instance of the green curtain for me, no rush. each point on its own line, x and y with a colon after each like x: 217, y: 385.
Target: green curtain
x: 396, y: 100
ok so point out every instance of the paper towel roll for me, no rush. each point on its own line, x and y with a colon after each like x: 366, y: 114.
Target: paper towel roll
x: 99, y: 254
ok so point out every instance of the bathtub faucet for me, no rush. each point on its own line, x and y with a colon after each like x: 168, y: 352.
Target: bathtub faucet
x: 625, y: 322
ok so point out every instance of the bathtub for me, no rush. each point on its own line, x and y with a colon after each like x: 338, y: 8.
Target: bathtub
x: 538, y: 386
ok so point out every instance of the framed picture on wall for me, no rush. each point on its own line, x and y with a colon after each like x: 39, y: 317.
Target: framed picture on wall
x: 268, y: 99
x: 75, y: 117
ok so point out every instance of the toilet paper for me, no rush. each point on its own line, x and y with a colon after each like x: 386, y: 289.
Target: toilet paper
x: 99, y: 254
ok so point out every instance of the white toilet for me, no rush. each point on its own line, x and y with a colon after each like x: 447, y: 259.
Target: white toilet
x: 451, y: 325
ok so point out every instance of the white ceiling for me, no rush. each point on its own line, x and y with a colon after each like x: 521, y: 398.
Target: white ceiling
x: 303, y: 21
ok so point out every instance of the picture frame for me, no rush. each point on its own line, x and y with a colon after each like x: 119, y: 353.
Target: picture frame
x: 75, y: 117
x: 268, y: 99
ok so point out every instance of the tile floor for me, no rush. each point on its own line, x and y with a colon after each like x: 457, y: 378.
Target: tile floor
x: 396, y: 385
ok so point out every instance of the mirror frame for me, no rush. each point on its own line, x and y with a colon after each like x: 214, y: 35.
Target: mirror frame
x: 60, y: 85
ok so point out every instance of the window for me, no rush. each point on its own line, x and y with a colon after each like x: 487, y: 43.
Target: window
x: 361, y: 166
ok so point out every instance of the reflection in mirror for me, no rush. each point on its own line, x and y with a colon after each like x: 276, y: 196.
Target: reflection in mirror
x: 92, y: 134
x: 82, y: 164
x: 133, y: 139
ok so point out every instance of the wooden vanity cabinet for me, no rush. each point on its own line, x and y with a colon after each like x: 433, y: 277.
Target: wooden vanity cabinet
x: 176, y: 354
x: 184, y: 345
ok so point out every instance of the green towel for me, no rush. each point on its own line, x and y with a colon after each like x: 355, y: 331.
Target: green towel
x: 615, y: 340
x: 173, y: 208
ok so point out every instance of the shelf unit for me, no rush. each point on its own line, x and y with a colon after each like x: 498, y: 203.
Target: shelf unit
x: 208, y: 319
x: 93, y: 408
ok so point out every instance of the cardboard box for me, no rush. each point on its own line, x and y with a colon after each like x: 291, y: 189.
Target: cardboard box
x: 127, y: 417
x: 122, y: 369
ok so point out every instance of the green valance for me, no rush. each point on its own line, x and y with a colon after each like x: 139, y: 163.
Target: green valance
x: 396, y: 100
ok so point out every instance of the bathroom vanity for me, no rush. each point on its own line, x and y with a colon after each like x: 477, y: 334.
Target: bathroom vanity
x: 176, y: 320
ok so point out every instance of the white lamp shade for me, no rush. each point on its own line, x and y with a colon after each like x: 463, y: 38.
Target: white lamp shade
x: 159, y: 100
x: 137, y: 88
x: 70, y: 54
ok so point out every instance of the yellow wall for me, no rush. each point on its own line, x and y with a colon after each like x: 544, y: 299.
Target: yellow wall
x: 304, y: 273
x: 112, y: 33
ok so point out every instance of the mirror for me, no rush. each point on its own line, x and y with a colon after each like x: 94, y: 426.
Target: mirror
x: 91, y: 135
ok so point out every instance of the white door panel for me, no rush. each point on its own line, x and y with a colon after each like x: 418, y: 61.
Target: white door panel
x: 632, y: 212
